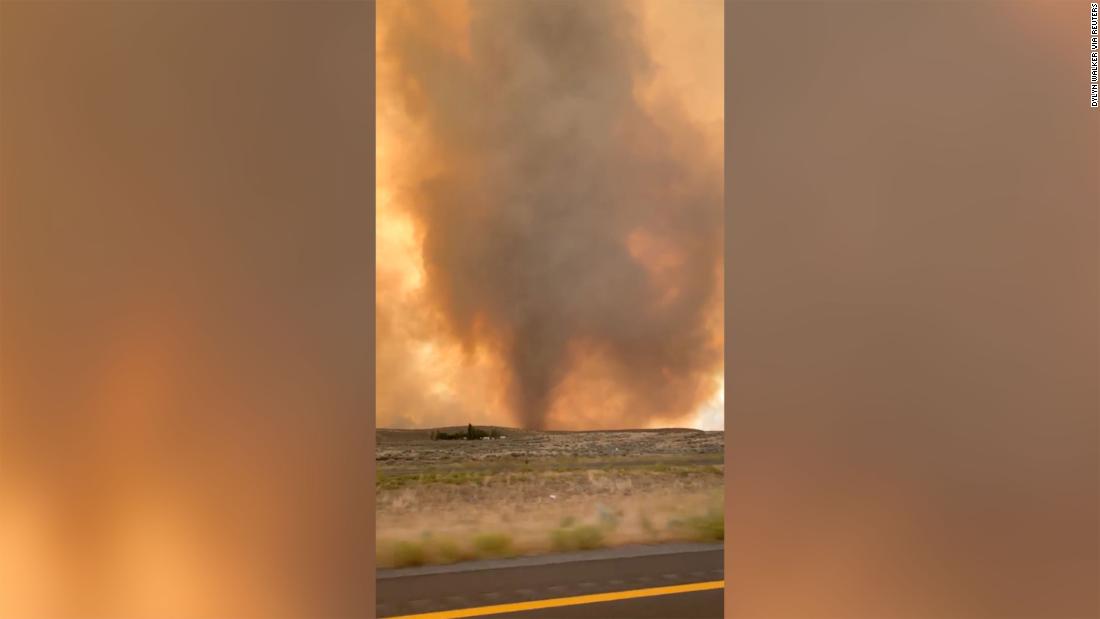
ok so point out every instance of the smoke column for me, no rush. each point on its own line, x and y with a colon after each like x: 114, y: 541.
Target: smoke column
x: 569, y: 231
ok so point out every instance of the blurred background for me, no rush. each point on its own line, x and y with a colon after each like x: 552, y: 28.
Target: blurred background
x: 186, y: 285
x: 912, y: 313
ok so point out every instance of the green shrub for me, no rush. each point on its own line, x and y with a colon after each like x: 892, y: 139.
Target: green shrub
x: 708, y: 527
x: 389, y: 482
x: 493, y: 544
x: 408, y: 554
x: 584, y: 537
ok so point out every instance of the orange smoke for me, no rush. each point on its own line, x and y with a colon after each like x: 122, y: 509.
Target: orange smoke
x: 549, y: 213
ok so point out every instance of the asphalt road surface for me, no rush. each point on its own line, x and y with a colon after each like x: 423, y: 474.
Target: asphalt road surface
x: 566, y: 579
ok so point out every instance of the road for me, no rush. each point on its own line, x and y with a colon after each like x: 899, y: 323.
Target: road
x: 681, y: 581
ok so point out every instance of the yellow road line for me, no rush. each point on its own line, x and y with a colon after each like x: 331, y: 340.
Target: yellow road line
x: 496, y: 609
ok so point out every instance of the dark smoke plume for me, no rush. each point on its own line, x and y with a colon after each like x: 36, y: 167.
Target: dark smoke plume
x: 567, y: 228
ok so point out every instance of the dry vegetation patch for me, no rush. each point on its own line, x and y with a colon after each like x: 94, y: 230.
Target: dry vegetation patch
x: 542, y: 492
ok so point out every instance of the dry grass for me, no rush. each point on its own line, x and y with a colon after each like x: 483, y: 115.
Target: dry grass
x: 626, y: 487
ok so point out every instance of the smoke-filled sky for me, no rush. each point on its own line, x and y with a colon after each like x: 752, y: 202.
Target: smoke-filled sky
x: 549, y: 230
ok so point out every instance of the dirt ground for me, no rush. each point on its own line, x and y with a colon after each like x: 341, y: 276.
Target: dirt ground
x: 530, y: 492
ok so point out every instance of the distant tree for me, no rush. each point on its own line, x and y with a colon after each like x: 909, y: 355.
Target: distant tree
x: 470, y: 433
